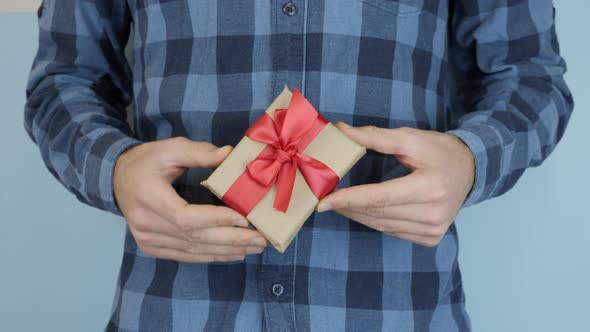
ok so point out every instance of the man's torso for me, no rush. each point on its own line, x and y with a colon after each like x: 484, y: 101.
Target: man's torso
x: 206, y: 70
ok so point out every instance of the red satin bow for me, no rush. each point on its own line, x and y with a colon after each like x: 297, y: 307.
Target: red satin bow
x: 287, y: 136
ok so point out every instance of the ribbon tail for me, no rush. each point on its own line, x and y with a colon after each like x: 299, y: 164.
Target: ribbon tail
x: 320, y: 178
x: 285, y: 184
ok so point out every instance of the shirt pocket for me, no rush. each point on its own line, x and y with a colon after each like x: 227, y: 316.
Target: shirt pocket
x: 397, y: 7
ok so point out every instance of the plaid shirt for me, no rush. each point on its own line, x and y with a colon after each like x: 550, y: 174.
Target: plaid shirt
x: 486, y: 71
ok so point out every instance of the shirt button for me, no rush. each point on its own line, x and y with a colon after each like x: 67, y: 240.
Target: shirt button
x: 277, y: 289
x: 289, y: 9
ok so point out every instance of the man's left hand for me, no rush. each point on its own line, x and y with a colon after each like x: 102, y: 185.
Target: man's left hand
x: 420, y: 206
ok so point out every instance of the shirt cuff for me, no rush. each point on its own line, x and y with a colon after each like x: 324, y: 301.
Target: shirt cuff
x: 105, y: 152
x: 483, y: 141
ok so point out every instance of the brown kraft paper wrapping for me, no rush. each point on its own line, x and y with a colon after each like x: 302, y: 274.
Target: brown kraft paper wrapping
x: 331, y: 147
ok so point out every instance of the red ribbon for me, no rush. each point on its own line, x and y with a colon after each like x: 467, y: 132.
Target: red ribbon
x: 292, y: 130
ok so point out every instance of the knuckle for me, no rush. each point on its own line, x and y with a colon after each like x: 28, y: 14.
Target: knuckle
x: 235, y: 242
x: 230, y: 258
x: 408, y: 131
x: 195, y: 238
x: 341, y: 202
x: 372, y: 132
x: 140, y: 223
x: 167, y: 144
x: 373, y: 211
x: 181, y: 221
x: 390, y: 227
x: 405, y: 129
x: 431, y: 242
x: 202, y: 146
x: 170, y: 150
x: 219, y: 221
x: 188, y: 247
x: 203, y: 259
x: 164, y: 159
x: 433, y: 231
x: 381, y: 226
x: 346, y: 204
x: 195, y: 258
x: 371, y: 128
x: 241, y: 250
x: 221, y: 258
x: 440, y: 231
x: 141, y: 188
x: 142, y: 237
x: 389, y: 234
x: 381, y: 201
x: 146, y: 250
x: 184, y: 260
x: 178, y: 140
x: 194, y: 248
x: 433, y: 217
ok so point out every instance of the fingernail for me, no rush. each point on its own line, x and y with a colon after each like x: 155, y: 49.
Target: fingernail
x: 259, y: 241
x: 254, y: 250
x: 344, y: 124
x: 225, y: 148
x: 241, y: 222
x: 323, y: 206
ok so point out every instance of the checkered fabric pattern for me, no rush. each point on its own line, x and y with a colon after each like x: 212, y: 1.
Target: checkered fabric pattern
x: 487, y: 71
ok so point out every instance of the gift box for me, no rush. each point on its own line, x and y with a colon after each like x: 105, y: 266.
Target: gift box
x: 288, y: 160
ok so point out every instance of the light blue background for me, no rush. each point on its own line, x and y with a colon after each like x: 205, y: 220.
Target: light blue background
x: 525, y: 256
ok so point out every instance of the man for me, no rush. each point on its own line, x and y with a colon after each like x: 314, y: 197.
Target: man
x: 453, y: 99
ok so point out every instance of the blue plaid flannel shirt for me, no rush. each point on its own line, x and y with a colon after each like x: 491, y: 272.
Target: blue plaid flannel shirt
x: 486, y: 71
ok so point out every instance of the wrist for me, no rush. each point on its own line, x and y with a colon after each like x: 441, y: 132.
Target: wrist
x: 118, y: 174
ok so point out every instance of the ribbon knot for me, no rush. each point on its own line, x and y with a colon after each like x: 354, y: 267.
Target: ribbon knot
x: 285, y: 156
x: 286, y: 137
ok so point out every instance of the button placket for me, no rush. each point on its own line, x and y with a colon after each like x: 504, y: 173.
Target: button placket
x: 277, y: 270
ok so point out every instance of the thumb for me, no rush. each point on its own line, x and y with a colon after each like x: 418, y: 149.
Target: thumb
x: 190, y: 154
x: 383, y: 140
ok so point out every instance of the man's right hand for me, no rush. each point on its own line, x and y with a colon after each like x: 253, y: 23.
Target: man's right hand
x: 163, y: 223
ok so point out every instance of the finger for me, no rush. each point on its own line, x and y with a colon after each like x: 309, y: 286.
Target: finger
x: 147, y: 221
x: 232, y: 236
x: 407, y: 189
x: 164, y: 241
x: 181, y: 256
x: 195, y: 216
x: 216, y: 249
x: 383, y: 140
x: 160, y: 240
x: 427, y: 241
x: 428, y: 214
x: 184, y: 216
x: 183, y: 152
x: 391, y: 226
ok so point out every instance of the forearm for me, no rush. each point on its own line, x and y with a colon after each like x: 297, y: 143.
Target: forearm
x: 77, y: 92
x: 516, y: 102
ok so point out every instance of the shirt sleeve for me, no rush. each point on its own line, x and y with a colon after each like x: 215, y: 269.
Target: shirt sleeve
x: 78, y: 89
x: 511, y: 104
